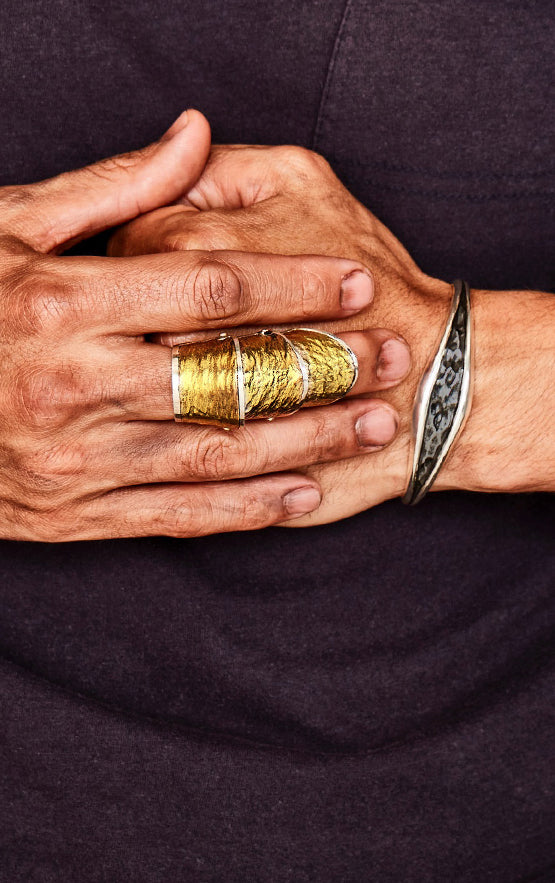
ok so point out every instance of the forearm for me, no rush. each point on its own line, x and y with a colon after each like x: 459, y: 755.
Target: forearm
x: 508, y: 442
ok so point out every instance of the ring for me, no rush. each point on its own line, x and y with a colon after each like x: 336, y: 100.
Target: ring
x: 443, y: 398
x: 228, y: 380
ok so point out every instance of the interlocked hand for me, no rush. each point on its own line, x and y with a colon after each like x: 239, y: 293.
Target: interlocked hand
x: 88, y: 444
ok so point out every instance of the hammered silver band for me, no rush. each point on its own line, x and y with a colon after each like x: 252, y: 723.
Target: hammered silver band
x: 443, y: 398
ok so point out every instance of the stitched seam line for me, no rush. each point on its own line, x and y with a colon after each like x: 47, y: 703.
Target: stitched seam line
x: 329, y: 74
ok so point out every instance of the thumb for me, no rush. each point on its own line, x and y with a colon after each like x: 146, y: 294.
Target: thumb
x: 61, y: 211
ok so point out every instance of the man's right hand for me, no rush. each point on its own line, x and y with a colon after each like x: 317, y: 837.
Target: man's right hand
x: 88, y: 445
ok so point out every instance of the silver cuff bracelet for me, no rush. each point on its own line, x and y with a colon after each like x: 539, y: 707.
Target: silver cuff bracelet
x: 443, y: 398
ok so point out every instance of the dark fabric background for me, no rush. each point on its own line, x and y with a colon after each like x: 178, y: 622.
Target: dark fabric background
x: 365, y: 701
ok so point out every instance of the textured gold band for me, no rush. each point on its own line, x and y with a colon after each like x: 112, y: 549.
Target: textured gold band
x: 227, y: 380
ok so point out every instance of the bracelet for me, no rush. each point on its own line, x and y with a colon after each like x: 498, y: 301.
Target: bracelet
x: 443, y: 398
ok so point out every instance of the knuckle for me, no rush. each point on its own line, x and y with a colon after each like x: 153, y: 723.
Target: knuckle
x: 215, y: 290
x: 176, y: 239
x: 201, y: 240
x: 46, y: 398
x: 40, y: 304
x: 326, y: 442
x: 183, y: 240
x: 303, y: 162
x: 176, y: 519
x: 256, y: 508
x: 200, y: 234
x: 234, y: 509
x: 312, y: 293
x: 50, y: 472
x: 318, y: 162
x: 217, y: 456
x: 208, y: 512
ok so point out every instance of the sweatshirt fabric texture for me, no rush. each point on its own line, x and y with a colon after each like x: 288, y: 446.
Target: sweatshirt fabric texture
x: 370, y: 700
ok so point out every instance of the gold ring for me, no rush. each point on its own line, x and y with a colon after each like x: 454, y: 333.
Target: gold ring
x: 227, y: 380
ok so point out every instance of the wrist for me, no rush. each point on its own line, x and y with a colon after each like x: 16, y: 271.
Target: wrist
x: 425, y: 306
x: 506, y: 444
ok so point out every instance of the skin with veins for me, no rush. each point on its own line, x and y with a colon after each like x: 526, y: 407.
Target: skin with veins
x: 505, y: 445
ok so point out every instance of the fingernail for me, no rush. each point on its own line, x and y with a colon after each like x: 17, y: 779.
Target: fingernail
x: 376, y: 428
x: 393, y: 360
x: 176, y: 127
x: 302, y: 501
x: 357, y: 291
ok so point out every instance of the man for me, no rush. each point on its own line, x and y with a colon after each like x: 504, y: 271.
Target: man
x: 364, y: 700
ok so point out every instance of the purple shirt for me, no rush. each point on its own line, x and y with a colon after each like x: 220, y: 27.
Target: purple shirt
x: 364, y: 701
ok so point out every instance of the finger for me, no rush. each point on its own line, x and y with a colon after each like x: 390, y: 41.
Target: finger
x: 182, y: 510
x: 383, y: 359
x: 199, y: 290
x: 140, y: 380
x: 77, y: 204
x: 98, y: 458
x: 143, y: 453
x: 244, y: 178
x: 101, y: 386
x: 271, y: 226
x: 159, y: 231
x: 240, y: 176
x: 257, y: 228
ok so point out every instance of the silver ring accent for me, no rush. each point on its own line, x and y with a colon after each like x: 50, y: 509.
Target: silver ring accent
x: 176, y: 398
x: 303, y: 367
x: 240, y: 382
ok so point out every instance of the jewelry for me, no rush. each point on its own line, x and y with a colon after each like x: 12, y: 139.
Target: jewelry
x: 443, y: 398
x: 227, y: 380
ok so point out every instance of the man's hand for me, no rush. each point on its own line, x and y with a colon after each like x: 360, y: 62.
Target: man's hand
x: 287, y: 200
x: 89, y: 448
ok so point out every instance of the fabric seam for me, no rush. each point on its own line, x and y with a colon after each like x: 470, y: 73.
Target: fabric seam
x: 329, y: 74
